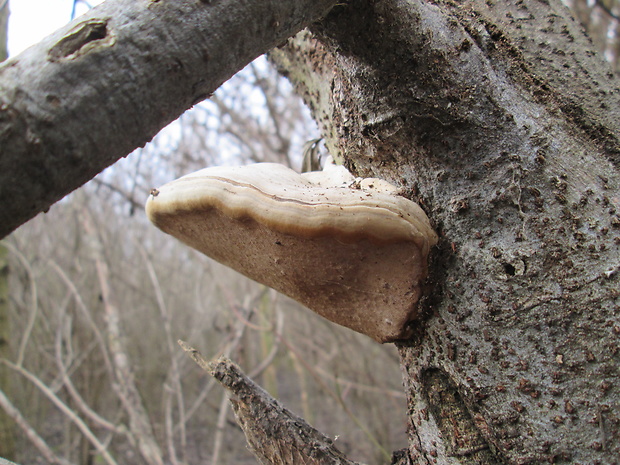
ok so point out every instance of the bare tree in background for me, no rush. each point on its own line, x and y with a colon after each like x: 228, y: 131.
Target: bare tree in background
x: 601, y: 19
x: 499, y: 117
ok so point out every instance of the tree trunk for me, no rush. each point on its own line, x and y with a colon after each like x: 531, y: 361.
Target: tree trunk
x: 503, y: 123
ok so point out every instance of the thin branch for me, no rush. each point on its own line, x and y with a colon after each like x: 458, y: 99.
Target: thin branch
x: 274, y: 433
x: 359, y: 386
x: 168, y: 425
x: 34, y: 306
x: 127, y: 390
x: 218, y: 440
x: 75, y: 395
x: 268, y: 360
x: 229, y: 347
x: 30, y: 433
x: 337, y: 397
x: 174, y: 374
x: 129, y: 197
x: 66, y: 410
x: 86, y: 313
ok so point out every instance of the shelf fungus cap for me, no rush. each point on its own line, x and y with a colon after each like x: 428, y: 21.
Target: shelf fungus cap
x: 352, y: 251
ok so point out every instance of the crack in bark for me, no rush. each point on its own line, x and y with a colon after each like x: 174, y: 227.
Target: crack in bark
x: 462, y: 436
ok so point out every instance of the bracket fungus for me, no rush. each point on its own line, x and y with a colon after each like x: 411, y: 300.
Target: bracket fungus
x: 352, y: 250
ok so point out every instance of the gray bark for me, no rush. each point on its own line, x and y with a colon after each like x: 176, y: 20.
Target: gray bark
x: 108, y: 82
x: 503, y: 123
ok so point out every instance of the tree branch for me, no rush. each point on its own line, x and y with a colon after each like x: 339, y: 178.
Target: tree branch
x: 65, y: 409
x: 275, y: 434
x: 30, y: 433
x: 126, y: 387
x: 109, y: 81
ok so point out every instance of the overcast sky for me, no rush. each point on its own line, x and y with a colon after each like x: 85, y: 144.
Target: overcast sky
x: 32, y: 20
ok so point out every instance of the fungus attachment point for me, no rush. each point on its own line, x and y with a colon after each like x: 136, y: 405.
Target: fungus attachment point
x: 351, y: 250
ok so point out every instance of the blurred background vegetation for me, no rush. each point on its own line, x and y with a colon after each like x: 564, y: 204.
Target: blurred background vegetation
x: 93, y: 299
x: 601, y: 20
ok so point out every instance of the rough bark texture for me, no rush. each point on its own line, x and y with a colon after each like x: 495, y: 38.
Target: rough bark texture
x: 108, y: 82
x: 502, y: 122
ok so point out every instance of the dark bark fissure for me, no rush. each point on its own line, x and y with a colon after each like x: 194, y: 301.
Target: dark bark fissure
x: 456, y: 424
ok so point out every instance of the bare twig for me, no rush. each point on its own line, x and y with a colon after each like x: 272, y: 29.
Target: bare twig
x: 75, y: 395
x: 127, y: 391
x: 168, y: 423
x: 34, y: 305
x: 219, y: 430
x: 359, y: 386
x: 174, y: 374
x: 275, y: 434
x: 229, y: 347
x: 128, y: 196
x: 86, y: 313
x: 30, y: 433
x: 66, y: 410
x: 262, y: 366
x: 337, y: 396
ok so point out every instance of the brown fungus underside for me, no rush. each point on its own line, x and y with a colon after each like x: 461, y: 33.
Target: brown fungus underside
x: 351, y: 250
